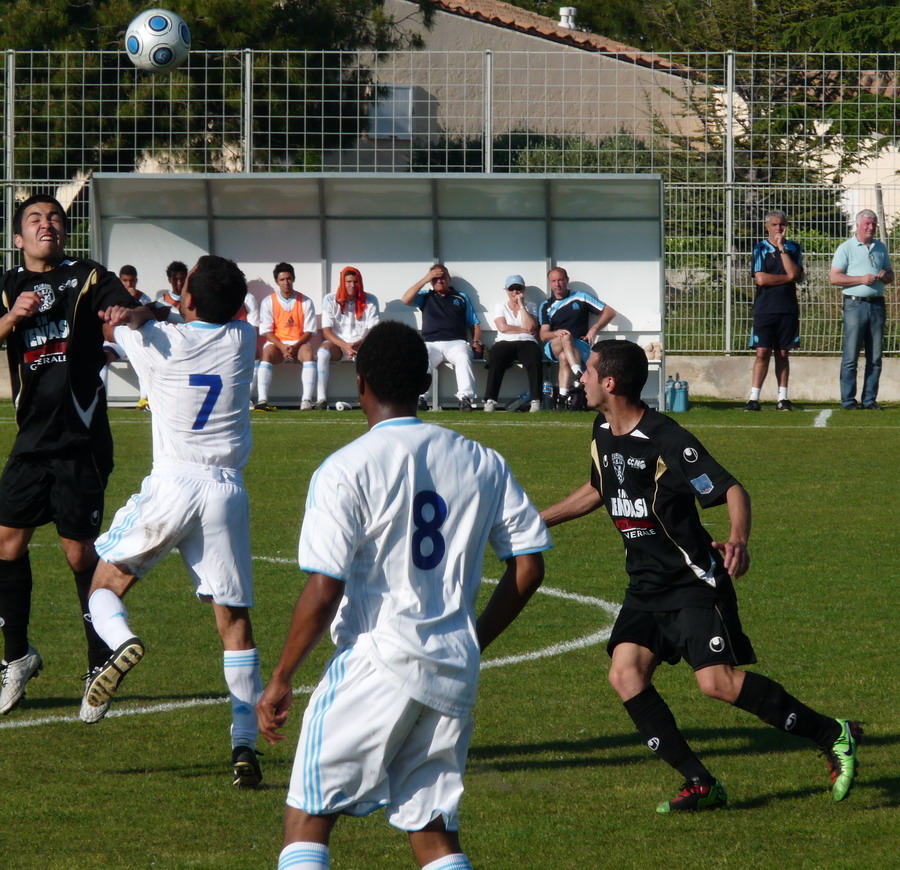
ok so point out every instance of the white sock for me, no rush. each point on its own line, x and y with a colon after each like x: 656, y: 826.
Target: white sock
x: 457, y: 861
x: 109, y: 618
x: 323, y: 361
x: 263, y: 379
x: 782, y: 393
x: 563, y: 391
x: 754, y: 393
x: 303, y: 856
x: 245, y: 687
x: 577, y: 371
x: 255, y: 375
x: 308, y: 380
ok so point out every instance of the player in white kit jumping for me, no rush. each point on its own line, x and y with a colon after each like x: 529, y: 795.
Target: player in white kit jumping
x: 393, y: 538
x: 197, y: 376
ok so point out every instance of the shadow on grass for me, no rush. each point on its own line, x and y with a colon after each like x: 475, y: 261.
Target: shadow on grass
x: 743, y: 740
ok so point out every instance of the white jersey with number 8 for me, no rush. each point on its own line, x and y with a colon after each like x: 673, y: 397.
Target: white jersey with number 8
x: 402, y: 515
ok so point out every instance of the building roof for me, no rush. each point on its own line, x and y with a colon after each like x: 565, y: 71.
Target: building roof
x: 524, y: 21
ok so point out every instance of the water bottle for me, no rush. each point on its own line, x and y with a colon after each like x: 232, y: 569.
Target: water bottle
x: 520, y: 400
x: 342, y: 406
x: 670, y: 392
x: 547, y: 401
x: 680, y: 402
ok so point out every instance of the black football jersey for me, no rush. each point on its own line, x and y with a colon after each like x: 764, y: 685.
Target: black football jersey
x: 651, y: 480
x: 55, y: 356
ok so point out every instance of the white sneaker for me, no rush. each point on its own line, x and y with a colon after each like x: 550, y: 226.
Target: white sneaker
x: 490, y: 405
x: 306, y: 405
x: 88, y: 714
x: 15, y: 675
x: 535, y: 406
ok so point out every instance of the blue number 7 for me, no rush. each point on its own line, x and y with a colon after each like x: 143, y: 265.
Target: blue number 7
x: 214, y: 382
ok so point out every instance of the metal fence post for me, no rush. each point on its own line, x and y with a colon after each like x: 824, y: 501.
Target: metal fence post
x: 729, y: 195
x: 488, y: 101
x: 248, y: 110
x: 9, y: 152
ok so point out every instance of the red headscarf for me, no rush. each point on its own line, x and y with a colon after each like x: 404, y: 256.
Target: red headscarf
x: 341, y: 294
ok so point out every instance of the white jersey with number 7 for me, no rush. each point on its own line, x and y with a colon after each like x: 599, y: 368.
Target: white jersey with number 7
x: 197, y: 376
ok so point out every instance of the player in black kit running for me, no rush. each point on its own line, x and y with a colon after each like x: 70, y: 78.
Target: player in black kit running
x: 680, y: 602
x: 62, y: 456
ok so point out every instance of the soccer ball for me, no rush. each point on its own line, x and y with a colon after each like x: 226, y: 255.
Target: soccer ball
x: 157, y: 40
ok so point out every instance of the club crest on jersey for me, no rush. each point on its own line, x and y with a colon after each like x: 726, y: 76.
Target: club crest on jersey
x: 618, y: 463
x: 46, y: 295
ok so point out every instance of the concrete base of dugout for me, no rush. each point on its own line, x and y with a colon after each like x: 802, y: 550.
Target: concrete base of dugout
x: 813, y: 379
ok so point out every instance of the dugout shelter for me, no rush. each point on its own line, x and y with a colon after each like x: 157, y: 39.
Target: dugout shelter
x: 606, y: 230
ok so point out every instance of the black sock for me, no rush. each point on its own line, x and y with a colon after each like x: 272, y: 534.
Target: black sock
x: 97, y: 650
x: 770, y: 702
x: 656, y: 724
x: 15, y: 604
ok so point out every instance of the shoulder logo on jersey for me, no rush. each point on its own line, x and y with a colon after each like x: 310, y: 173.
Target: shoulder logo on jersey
x: 702, y: 484
x: 690, y: 454
x: 46, y: 295
x: 618, y: 462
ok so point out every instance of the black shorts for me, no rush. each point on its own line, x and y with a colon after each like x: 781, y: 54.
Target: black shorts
x: 776, y: 331
x: 702, y: 636
x: 64, y: 489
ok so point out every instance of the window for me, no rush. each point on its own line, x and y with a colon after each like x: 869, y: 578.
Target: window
x: 391, y: 117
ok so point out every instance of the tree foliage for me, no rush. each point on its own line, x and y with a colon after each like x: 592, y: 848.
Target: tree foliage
x: 191, y: 117
x: 739, y: 25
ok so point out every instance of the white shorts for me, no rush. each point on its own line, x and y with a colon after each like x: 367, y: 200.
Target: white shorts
x: 202, y: 511
x: 272, y: 344
x: 397, y: 753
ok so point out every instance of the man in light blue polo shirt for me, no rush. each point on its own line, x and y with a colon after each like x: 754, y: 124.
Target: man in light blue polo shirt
x: 861, y: 267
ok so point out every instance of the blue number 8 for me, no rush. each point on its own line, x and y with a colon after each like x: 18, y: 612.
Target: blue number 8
x: 427, y: 529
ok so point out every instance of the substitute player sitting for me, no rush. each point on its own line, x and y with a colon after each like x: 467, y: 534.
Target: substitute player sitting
x: 649, y: 473
x: 347, y: 315
x: 198, y: 378
x: 287, y: 321
x: 393, y: 539
x: 567, y: 338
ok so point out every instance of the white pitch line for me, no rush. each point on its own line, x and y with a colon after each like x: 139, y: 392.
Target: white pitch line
x: 169, y: 706
x: 821, y: 420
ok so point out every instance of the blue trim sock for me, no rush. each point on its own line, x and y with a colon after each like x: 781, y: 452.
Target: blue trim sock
x: 244, y: 686
x: 457, y: 861
x: 303, y: 856
x: 109, y: 618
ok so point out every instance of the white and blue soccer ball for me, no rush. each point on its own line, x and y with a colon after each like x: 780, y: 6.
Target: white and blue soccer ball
x: 157, y: 40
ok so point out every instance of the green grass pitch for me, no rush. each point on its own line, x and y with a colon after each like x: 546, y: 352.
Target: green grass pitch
x: 557, y: 777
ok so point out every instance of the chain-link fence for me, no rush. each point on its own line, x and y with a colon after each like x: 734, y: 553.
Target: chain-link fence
x: 733, y: 135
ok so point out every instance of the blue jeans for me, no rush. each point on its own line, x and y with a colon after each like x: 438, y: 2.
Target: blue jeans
x: 863, y: 327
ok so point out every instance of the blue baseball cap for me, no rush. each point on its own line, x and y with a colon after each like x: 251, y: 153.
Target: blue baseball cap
x: 514, y: 279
